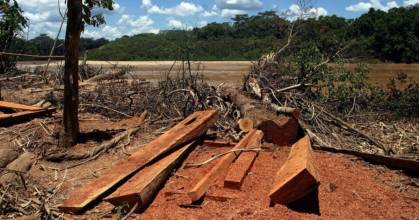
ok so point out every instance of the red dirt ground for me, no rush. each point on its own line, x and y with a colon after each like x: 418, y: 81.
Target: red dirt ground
x: 349, y: 189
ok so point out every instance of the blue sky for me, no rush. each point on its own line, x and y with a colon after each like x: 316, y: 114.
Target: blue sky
x: 151, y: 16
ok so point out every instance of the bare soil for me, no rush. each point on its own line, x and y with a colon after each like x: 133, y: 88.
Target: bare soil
x: 233, y: 72
x: 349, y: 189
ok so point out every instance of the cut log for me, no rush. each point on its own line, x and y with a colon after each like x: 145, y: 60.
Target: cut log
x: 241, y: 167
x: 8, y: 119
x: 22, y: 164
x: 278, y: 129
x: 219, y: 169
x: 11, y: 105
x: 297, y: 177
x: 282, y: 132
x: 245, y: 124
x: 7, y: 156
x: 143, y: 186
x: 406, y: 164
x: 187, y: 130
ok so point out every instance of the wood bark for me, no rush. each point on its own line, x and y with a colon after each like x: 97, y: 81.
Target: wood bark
x: 187, y: 130
x: 278, y: 129
x: 297, y: 177
x: 70, y: 133
x: 7, y: 156
x: 107, y: 76
x: 22, y: 164
x: 219, y: 169
x: 143, y: 186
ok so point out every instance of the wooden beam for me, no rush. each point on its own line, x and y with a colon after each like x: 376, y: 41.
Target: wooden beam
x: 297, y: 177
x: 12, y: 105
x: 185, y: 131
x: 241, y: 167
x: 143, y: 186
x: 219, y: 169
x: 8, y: 119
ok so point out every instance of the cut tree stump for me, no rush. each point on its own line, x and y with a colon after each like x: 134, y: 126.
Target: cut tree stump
x: 143, y: 186
x: 219, y: 169
x: 12, y: 105
x: 21, y: 165
x: 241, y: 167
x: 297, y: 177
x: 185, y: 131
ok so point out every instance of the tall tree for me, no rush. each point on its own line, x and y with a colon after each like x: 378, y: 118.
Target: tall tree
x: 79, y: 14
x: 11, y: 23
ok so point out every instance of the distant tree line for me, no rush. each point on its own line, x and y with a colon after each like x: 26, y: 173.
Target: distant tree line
x: 391, y: 36
x: 42, y: 45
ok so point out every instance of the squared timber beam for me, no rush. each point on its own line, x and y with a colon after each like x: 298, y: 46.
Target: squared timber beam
x: 194, y: 126
x: 297, y: 177
x: 241, y: 167
x: 143, y: 186
x: 219, y: 169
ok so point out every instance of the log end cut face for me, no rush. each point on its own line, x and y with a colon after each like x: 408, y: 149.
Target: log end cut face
x: 297, y: 177
x: 280, y: 132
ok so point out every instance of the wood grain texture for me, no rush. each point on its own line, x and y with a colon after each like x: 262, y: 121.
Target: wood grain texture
x: 219, y: 169
x: 8, y: 119
x: 144, y: 185
x: 297, y: 177
x: 12, y: 105
x: 241, y: 167
x: 187, y: 130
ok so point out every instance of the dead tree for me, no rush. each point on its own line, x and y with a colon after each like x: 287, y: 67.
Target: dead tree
x: 70, y: 131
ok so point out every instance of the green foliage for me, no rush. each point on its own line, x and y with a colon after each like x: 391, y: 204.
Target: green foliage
x: 403, y: 96
x: 11, y: 23
x: 391, y: 36
x: 388, y: 36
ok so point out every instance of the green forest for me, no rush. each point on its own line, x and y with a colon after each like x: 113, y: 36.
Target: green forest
x: 376, y: 36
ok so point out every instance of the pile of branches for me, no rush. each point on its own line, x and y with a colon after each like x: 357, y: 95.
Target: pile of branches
x: 305, y: 81
x: 174, y: 96
x: 28, y: 199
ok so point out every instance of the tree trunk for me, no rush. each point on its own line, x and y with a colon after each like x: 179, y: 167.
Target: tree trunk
x: 71, y: 77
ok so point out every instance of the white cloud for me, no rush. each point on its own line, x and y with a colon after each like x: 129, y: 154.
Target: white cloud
x: 246, y: 5
x: 294, y: 12
x: 178, y: 25
x: 377, y: 4
x: 44, y: 16
x: 175, y: 24
x: 229, y: 13
x: 182, y: 9
x: 209, y: 13
x: 410, y: 2
x: 135, y: 22
x: 126, y: 25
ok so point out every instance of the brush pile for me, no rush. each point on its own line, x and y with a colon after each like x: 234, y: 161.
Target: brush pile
x: 334, y: 103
